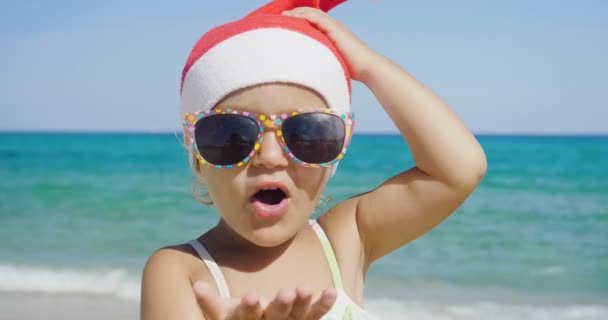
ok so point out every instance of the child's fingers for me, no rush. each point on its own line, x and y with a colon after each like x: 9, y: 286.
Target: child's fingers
x: 314, y: 16
x: 211, y: 304
x: 325, y: 302
x: 250, y: 308
x: 301, y: 304
x: 280, y: 307
x: 358, y: 56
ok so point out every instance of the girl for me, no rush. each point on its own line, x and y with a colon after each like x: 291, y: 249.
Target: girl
x: 265, y: 102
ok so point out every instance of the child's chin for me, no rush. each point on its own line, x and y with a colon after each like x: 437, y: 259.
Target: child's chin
x: 271, y: 236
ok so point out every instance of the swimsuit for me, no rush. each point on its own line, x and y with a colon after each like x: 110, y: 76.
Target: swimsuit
x: 343, y: 309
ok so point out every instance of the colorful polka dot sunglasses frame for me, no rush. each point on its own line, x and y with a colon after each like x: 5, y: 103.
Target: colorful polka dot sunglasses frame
x: 266, y: 121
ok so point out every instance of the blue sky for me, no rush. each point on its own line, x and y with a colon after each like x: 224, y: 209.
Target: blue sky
x: 503, y: 66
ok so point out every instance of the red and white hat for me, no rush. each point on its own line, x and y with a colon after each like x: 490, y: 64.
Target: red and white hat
x: 266, y: 47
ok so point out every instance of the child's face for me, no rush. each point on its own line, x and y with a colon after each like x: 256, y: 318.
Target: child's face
x: 235, y: 191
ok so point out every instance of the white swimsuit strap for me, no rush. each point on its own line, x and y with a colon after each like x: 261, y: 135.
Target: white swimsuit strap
x: 216, y: 273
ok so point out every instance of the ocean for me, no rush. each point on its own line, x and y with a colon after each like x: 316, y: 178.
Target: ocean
x: 81, y: 212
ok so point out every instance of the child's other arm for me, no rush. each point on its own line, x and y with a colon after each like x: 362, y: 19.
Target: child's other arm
x: 449, y: 161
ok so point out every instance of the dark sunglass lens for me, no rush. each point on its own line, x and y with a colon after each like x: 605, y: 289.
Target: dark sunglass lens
x: 314, y: 137
x: 225, y: 139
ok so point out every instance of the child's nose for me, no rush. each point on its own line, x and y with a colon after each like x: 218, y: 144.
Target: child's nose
x: 270, y: 154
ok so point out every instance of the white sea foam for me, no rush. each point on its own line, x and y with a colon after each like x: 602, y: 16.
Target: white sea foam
x: 114, y: 282
x: 550, y: 270
x: 125, y: 285
x: 423, y: 310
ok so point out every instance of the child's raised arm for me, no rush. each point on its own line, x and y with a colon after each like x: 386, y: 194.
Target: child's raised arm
x: 449, y: 161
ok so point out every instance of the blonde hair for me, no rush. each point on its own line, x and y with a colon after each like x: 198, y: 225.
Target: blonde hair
x: 199, y: 187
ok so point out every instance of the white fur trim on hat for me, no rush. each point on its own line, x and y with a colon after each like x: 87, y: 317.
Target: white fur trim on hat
x: 263, y: 56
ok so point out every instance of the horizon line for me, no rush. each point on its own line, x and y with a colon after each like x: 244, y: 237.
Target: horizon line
x: 377, y: 133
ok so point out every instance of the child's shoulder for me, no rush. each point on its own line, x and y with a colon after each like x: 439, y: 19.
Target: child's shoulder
x: 340, y: 222
x: 172, y: 254
x: 166, y: 291
x: 176, y: 263
x: 340, y: 225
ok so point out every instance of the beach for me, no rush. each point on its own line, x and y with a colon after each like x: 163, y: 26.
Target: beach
x: 19, y: 306
x: 81, y: 213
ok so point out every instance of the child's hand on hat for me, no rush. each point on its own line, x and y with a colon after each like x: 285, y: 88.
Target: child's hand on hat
x: 288, y: 304
x: 358, y: 55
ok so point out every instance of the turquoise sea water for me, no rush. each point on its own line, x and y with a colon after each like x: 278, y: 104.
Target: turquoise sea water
x: 81, y: 213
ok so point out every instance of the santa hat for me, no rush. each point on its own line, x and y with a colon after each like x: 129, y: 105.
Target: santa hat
x: 266, y: 47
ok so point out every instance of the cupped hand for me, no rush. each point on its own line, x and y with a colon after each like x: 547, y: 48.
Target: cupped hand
x: 294, y: 304
x: 359, y: 56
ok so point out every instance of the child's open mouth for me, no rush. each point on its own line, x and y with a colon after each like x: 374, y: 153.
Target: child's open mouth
x: 270, y: 196
x: 270, y: 202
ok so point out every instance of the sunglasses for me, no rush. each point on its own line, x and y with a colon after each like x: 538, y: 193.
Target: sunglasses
x: 229, y: 138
